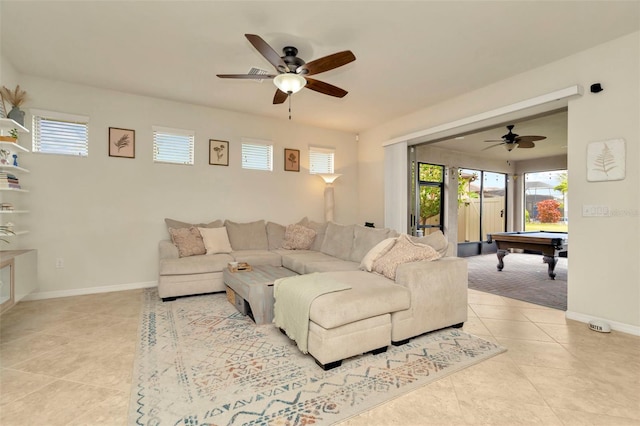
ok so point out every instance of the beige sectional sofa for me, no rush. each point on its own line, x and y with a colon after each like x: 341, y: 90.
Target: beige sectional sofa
x: 373, y: 313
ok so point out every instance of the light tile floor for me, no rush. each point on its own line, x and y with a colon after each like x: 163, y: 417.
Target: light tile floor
x: 69, y: 361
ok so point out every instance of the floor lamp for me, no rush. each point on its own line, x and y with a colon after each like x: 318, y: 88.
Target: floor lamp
x: 329, y: 202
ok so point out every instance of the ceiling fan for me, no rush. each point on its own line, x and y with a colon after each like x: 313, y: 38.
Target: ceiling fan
x: 513, y: 140
x: 292, y: 72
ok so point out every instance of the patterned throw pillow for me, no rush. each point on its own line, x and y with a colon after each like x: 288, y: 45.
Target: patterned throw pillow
x: 298, y: 237
x: 403, y: 251
x: 188, y: 240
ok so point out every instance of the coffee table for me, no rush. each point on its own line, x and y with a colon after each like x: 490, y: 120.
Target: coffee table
x: 254, y: 290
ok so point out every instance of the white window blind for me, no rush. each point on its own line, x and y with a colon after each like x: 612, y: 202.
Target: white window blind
x: 321, y: 160
x: 173, y: 146
x: 60, y: 133
x: 257, y: 155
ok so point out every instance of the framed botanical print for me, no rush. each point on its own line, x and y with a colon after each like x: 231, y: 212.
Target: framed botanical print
x: 218, y: 152
x: 122, y: 142
x: 291, y: 160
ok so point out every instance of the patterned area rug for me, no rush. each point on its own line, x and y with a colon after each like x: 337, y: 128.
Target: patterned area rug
x: 524, y: 277
x: 200, y: 362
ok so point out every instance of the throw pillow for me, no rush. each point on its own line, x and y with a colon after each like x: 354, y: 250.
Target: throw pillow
x: 403, y: 251
x: 298, y: 237
x: 188, y: 241
x: 176, y: 224
x: 436, y: 239
x: 275, y: 235
x: 378, y: 250
x: 338, y: 240
x: 247, y: 236
x: 321, y: 229
x: 364, y: 239
x: 215, y: 240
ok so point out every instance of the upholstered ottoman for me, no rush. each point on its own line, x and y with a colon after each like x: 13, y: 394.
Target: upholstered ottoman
x: 353, y: 321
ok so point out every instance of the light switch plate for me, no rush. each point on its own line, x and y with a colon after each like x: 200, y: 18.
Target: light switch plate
x: 589, y: 210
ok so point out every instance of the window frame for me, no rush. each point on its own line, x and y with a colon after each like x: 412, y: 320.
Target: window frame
x: 38, y: 115
x: 176, y: 133
x: 255, y: 143
x: 319, y: 151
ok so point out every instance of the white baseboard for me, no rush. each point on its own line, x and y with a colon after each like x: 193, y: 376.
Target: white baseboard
x: 618, y: 326
x: 89, y: 290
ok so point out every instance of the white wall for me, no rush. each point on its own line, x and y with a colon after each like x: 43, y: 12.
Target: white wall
x: 105, y: 215
x: 605, y: 276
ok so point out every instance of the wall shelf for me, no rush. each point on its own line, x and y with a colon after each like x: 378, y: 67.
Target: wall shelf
x: 13, y: 168
x: 14, y: 189
x: 7, y: 123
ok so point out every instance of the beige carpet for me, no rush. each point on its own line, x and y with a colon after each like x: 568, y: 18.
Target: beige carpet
x: 201, y: 362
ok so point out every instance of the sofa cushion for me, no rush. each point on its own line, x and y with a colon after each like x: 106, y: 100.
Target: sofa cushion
x: 338, y: 240
x: 298, y: 237
x: 257, y: 257
x: 176, y: 224
x: 370, y: 295
x: 364, y: 239
x: 195, y: 264
x: 436, y: 239
x: 247, y: 236
x: 275, y: 235
x: 215, y: 240
x: 378, y: 250
x: 297, y: 261
x: 321, y: 230
x: 403, y: 251
x: 331, y: 266
x: 188, y: 240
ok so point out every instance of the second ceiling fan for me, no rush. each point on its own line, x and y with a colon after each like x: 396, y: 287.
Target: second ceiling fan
x: 293, y: 73
x: 512, y: 140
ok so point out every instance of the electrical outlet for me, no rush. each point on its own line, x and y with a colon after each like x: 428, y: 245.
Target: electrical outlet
x: 59, y: 263
x: 595, y: 211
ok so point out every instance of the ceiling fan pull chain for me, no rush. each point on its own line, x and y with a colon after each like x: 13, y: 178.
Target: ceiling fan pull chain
x: 289, y: 96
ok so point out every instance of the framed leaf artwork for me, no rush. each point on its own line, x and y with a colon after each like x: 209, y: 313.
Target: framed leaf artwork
x: 122, y: 142
x: 606, y: 160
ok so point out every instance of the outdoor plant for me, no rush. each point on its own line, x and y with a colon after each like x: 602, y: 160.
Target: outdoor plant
x: 548, y: 211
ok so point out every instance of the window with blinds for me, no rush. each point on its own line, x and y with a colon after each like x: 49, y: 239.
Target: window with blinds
x: 257, y: 155
x: 174, y: 146
x: 60, y: 133
x: 321, y: 160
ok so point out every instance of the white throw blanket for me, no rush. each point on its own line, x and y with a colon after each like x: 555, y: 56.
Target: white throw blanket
x: 293, y: 298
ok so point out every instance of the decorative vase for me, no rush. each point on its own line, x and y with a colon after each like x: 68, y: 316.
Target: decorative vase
x: 17, y: 115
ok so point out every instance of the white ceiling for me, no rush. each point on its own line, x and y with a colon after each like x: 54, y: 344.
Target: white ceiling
x: 410, y: 55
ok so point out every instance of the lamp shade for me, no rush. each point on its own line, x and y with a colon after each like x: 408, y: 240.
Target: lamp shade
x: 329, y: 177
x: 289, y: 82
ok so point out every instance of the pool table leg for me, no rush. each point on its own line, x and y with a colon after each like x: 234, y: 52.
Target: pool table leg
x: 551, y: 261
x: 501, y: 254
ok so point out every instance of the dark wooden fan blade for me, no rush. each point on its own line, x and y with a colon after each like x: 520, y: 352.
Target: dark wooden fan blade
x: 267, y: 51
x: 525, y: 144
x: 489, y: 147
x: 530, y: 138
x: 279, y: 97
x: 326, y: 63
x: 325, y: 88
x: 247, y: 76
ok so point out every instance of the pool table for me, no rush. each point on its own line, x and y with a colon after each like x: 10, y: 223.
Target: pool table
x: 550, y: 244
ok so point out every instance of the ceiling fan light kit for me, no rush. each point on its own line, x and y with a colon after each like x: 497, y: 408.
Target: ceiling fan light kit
x: 290, y: 83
